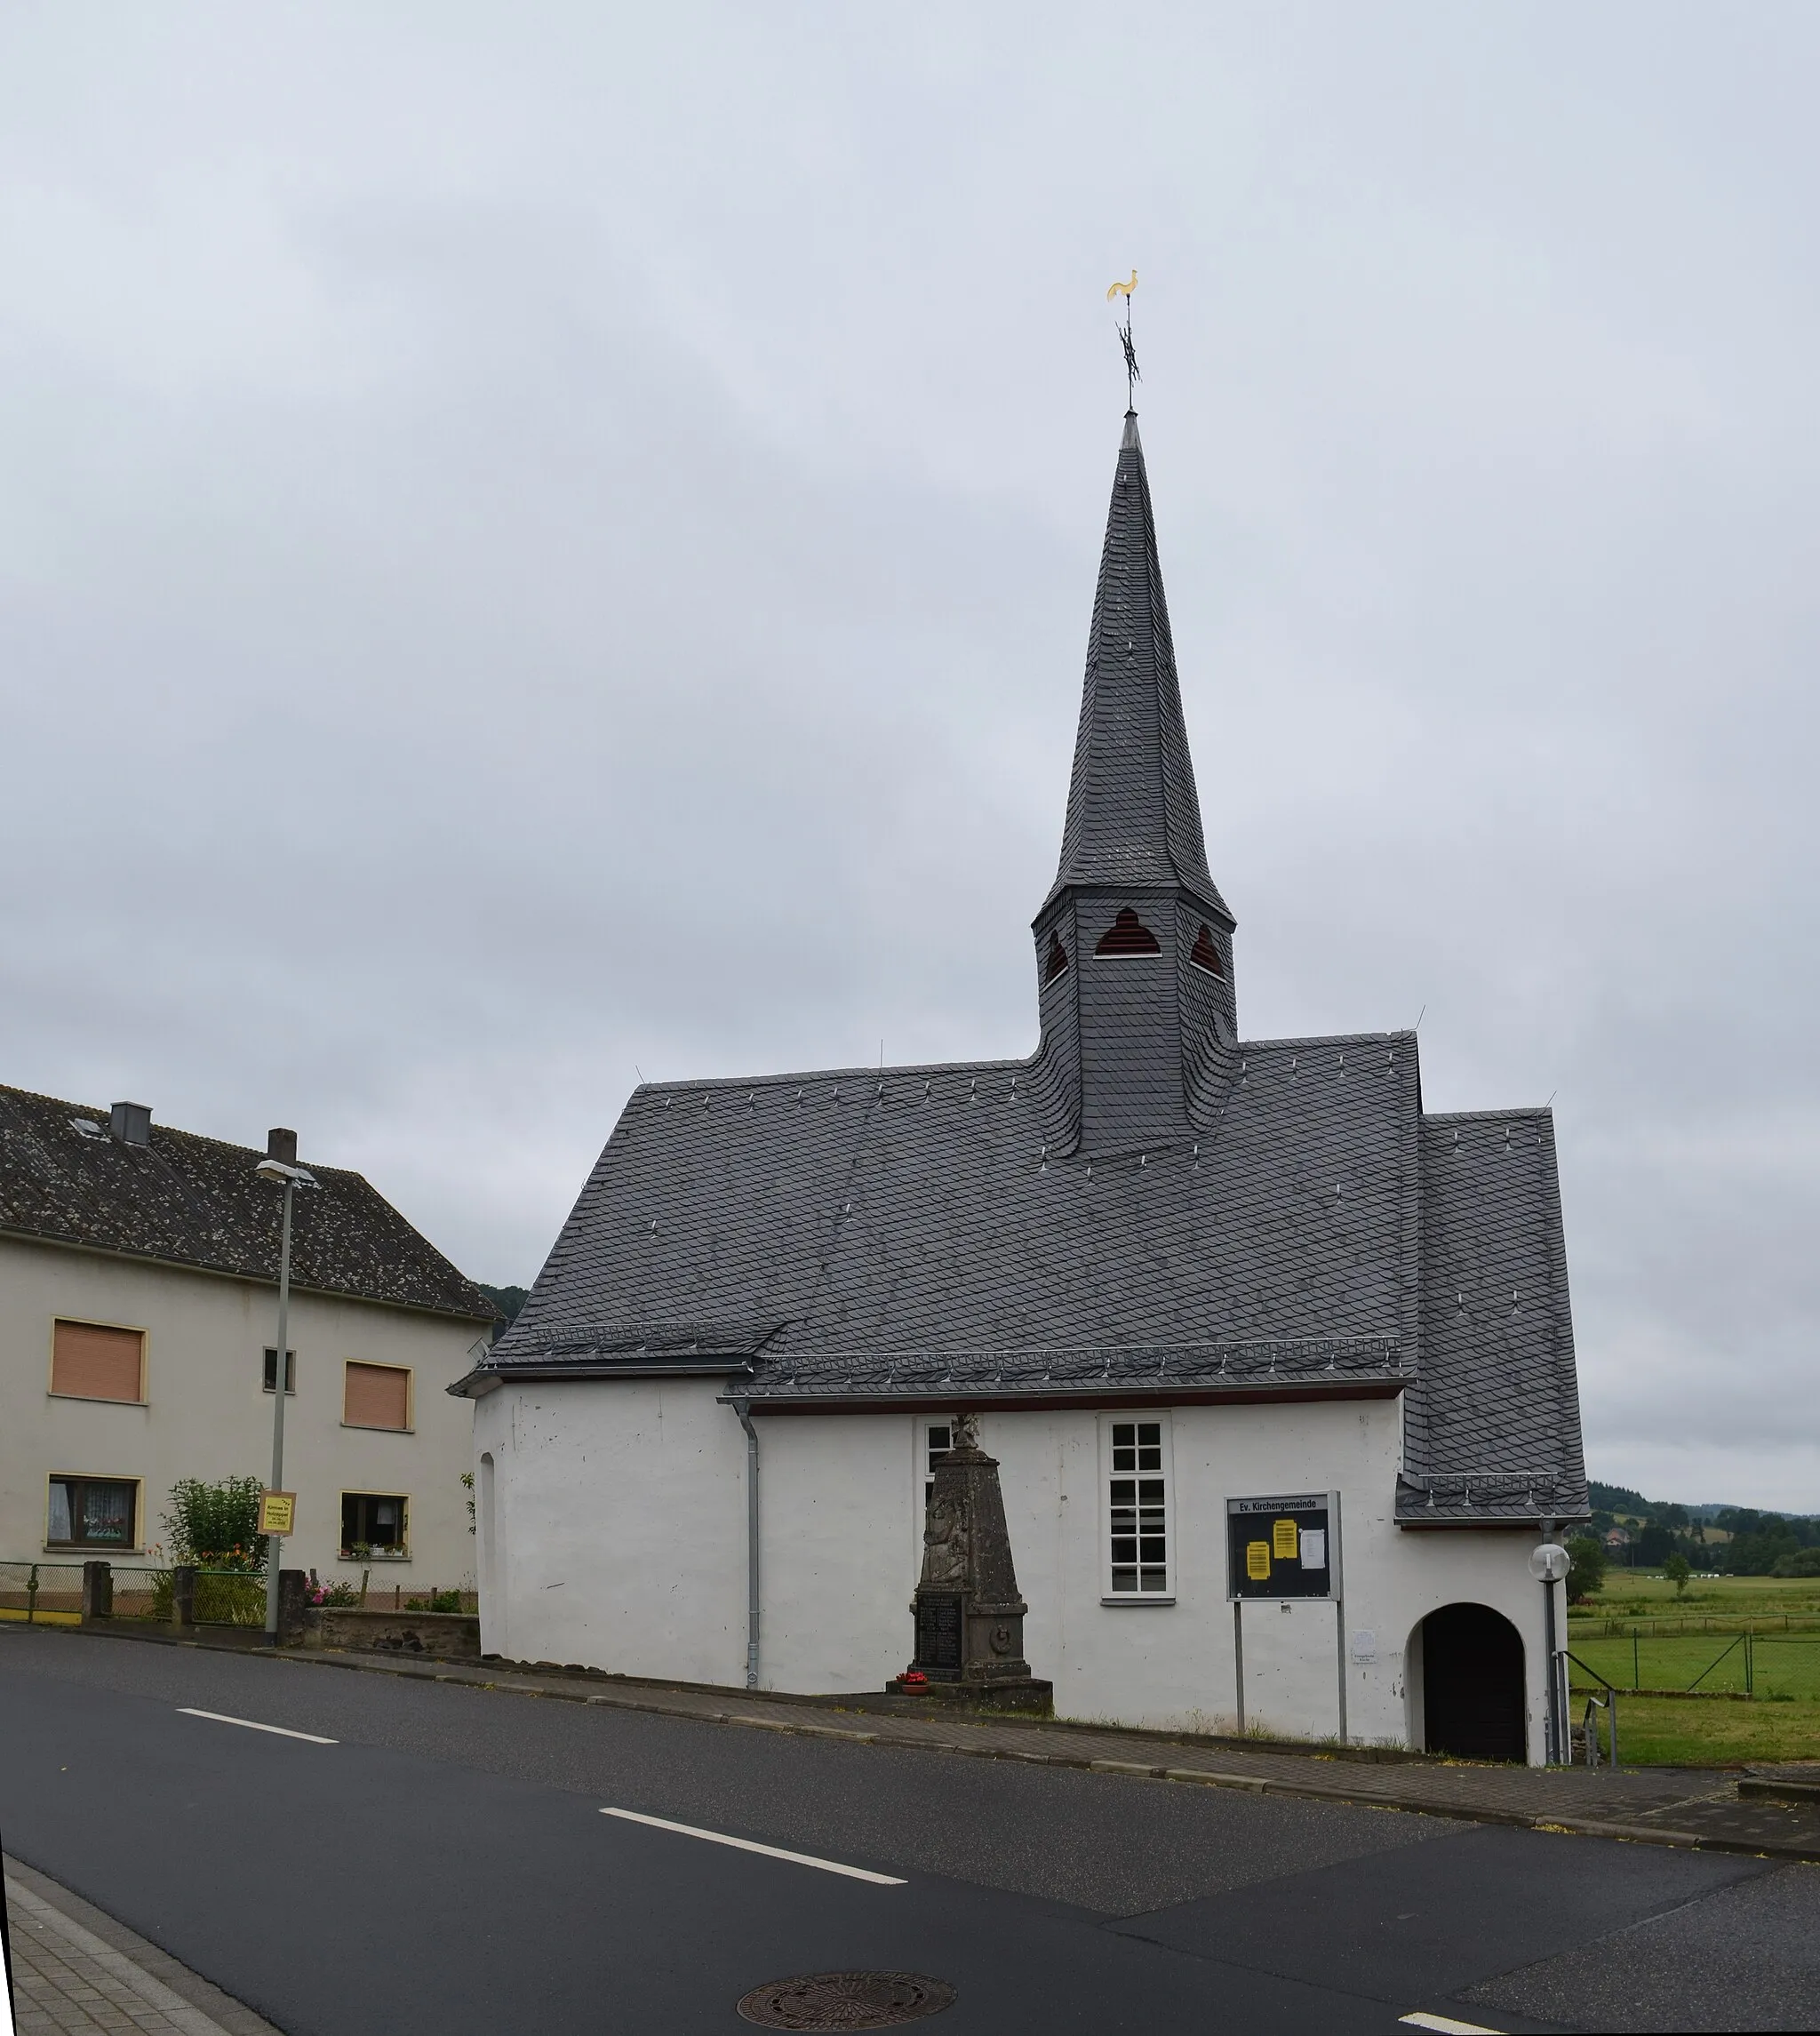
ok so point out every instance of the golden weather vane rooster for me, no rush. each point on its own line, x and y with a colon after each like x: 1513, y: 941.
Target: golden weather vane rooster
x: 1123, y: 289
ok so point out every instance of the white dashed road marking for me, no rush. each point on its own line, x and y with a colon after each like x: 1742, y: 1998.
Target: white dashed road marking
x: 1446, y: 2027
x: 770, y: 1851
x: 254, y: 1725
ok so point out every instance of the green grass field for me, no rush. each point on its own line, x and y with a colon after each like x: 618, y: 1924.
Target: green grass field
x: 1709, y: 1732
x: 1649, y: 1596
x: 1702, y: 1730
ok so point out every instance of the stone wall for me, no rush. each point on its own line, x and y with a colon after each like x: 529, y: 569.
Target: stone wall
x: 440, y: 1636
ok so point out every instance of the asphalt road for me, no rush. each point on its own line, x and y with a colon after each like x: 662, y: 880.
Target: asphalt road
x: 437, y: 1859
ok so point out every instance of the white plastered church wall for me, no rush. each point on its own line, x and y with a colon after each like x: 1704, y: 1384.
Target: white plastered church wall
x: 620, y: 1543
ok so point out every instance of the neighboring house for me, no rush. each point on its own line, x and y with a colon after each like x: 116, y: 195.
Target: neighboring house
x: 138, y: 1319
x: 1278, y: 1366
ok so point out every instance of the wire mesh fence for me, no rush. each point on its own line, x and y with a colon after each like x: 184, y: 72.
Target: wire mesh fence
x: 368, y: 1596
x: 1662, y: 1623
x: 1778, y: 1667
x: 46, y: 1592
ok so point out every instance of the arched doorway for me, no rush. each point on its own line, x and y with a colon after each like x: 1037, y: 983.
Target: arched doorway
x: 1473, y: 1703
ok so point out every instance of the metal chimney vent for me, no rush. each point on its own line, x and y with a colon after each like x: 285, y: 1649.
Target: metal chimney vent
x: 282, y: 1145
x: 131, y: 1123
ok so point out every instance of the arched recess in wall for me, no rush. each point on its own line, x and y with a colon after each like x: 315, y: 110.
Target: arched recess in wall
x: 487, y: 1529
x: 1475, y: 1701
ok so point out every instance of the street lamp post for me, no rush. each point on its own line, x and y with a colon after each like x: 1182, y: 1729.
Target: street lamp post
x: 290, y: 1177
x: 1548, y: 1565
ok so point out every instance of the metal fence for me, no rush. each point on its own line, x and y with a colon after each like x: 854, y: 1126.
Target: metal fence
x: 45, y: 1594
x: 1780, y: 1666
x: 1662, y: 1623
x: 413, y: 1598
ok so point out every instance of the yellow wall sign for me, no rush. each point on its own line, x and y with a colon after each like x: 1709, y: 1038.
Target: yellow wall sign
x: 1283, y: 1543
x: 277, y: 1512
x: 1258, y: 1561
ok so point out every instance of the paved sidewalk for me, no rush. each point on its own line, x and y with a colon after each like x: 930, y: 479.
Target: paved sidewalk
x: 76, y: 1971
x: 1662, y: 1806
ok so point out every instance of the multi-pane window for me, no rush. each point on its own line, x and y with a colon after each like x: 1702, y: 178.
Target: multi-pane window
x: 92, y: 1513
x: 1138, y: 1510
x: 940, y: 1440
x: 372, y: 1523
x: 271, y: 1378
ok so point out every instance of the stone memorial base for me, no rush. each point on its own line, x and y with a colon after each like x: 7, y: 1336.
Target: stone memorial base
x: 1028, y: 1695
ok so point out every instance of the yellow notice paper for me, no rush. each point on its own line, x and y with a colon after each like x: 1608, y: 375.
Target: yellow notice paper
x: 1258, y: 1561
x: 278, y: 1512
x: 1283, y: 1541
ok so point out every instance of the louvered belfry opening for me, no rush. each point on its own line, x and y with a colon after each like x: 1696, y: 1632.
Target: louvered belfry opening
x: 1127, y: 934
x: 1134, y: 1053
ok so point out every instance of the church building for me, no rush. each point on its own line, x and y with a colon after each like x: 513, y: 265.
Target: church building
x: 1277, y: 1367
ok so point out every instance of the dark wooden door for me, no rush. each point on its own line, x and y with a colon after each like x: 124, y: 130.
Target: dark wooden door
x: 1473, y: 1696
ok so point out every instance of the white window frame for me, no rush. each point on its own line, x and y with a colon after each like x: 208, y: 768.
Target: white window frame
x: 921, y: 1474
x: 1111, y: 1474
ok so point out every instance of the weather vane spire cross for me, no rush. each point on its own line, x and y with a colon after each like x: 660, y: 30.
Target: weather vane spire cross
x: 1132, y: 376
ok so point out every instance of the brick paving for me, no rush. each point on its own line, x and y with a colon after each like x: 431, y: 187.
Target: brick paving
x: 77, y: 1972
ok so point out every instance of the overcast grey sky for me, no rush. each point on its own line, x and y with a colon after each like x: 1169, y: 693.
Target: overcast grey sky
x: 541, y: 539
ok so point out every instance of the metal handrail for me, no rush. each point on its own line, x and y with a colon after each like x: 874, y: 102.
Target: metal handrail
x: 1608, y: 1703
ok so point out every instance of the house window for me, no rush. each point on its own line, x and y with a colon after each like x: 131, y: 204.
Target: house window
x: 1138, y: 1510
x: 376, y: 1396
x: 373, y: 1523
x: 290, y: 1370
x: 92, y: 1513
x: 95, y: 1361
x: 940, y: 1440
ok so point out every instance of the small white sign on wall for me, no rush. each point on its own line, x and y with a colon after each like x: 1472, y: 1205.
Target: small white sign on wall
x: 1364, y: 1645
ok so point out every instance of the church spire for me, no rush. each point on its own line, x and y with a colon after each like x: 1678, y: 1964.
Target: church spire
x: 1133, y: 814
x: 1134, y: 943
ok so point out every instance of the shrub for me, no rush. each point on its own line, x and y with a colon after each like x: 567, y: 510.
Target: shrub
x: 1801, y: 1563
x: 217, y: 1526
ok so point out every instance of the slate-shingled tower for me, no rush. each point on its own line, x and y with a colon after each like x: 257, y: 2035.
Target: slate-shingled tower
x: 1133, y: 1053
x: 1262, y: 1254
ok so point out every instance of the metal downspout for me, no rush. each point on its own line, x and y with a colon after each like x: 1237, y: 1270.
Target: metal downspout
x: 743, y: 1408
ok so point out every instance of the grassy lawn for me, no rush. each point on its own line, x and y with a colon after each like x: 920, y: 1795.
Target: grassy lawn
x: 1783, y: 1722
x: 1701, y: 1732
x: 1643, y: 1594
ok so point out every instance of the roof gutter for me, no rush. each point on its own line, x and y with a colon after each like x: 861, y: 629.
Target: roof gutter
x: 953, y: 1395
x: 488, y: 1378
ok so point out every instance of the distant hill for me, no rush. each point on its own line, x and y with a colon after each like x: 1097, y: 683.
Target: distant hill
x: 507, y: 1300
x: 1739, y: 1539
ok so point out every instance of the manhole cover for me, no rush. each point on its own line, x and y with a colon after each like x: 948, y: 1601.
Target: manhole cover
x: 846, y: 2000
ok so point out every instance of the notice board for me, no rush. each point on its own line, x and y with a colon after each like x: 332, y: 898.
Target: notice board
x: 1281, y: 1546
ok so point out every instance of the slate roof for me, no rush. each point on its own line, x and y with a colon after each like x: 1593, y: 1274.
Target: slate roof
x: 1146, y: 1208
x: 187, y: 1201
x: 1133, y: 815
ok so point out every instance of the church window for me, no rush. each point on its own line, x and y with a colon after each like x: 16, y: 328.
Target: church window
x: 1138, y: 1510
x: 1126, y: 935
x: 941, y: 1440
x: 1057, y: 961
x: 1204, y: 955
